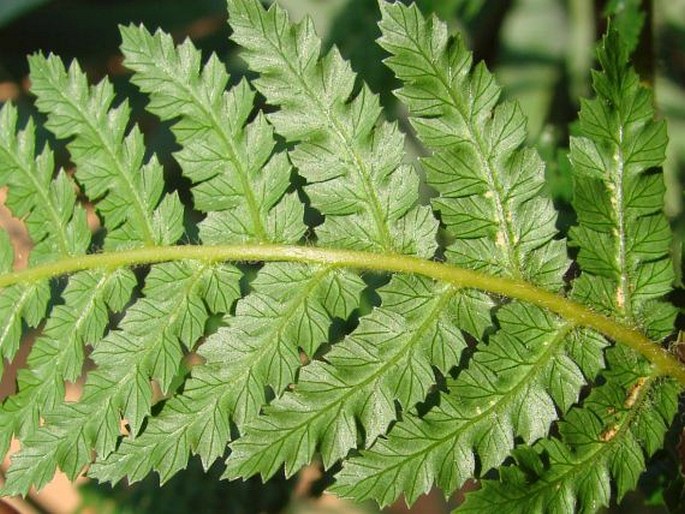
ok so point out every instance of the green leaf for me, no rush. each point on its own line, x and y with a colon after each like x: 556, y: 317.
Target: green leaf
x: 481, y: 356
x: 18, y: 304
x: 628, y: 19
x: 258, y: 348
x: 230, y: 161
x: 148, y: 343
x: 492, y: 205
x: 607, y: 439
x: 271, y: 316
x: 58, y: 354
x: 160, y: 331
x: 623, y: 241
x: 623, y: 236
x: 56, y: 225
x: 511, y: 388
x: 196, y: 421
x: 490, y: 186
x: 109, y: 160
x: 388, y: 357
x: 351, y: 161
x: 291, y: 307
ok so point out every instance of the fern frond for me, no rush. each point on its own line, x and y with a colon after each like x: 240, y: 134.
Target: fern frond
x: 510, y: 389
x: 257, y: 348
x: 352, y: 163
x: 195, y: 422
x: 57, y: 228
x: 491, y: 203
x: 58, y: 354
x: 388, y: 358
x: 622, y: 235
x: 490, y: 186
x: 243, y: 184
x: 231, y: 162
x: 163, y: 351
x: 458, y: 365
x: 238, y: 177
x: 606, y: 440
x: 284, y: 361
x: 109, y: 160
x: 271, y: 323
x: 20, y: 303
x: 623, y: 241
x: 147, y: 344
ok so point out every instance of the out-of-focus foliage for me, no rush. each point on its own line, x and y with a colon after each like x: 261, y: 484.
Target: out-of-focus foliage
x: 11, y: 9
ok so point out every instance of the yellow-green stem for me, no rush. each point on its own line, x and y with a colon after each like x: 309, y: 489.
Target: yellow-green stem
x: 664, y: 362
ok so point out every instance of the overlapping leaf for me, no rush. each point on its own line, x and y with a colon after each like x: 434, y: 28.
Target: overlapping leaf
x: 622, y: 234
x: 349, y: 164
x: 196, y: 421
x: 110, y: 167
x: 57, y: 227
x: 291, y: 307
x: 109, y: 160
x: 148, y: 343
x: 387, y: 358
x: 605, y: 441
x: 58, y: 354
x: 490, y: 202
x: 237, y: 178
x: 623, y: 241
x: 21, y: 303
x: 525, y: 370
x: 512, y: 388
x: 257, y: 348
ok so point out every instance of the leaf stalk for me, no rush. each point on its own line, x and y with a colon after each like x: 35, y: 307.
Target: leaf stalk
x: 664, y: 362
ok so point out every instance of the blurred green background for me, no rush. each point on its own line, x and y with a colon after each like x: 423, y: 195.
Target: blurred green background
x: 541, y: 51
